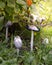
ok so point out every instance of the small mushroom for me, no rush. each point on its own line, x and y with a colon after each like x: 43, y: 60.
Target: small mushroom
x: 41, y: 19
x: 17, y: 43
x: 33, y: 17
x: 33, y: 29
x: 9, y: 23
x: 37, y: 18
x: 45, y: 41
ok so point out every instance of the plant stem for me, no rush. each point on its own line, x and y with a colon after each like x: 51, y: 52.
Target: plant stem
x: 12, y: 41
x: 7, y: 33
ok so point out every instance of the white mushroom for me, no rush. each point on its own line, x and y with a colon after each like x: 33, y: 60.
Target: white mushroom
x: 17, y: 43
x: 37, y: 18
x: 33, y: 29
x: 45, y: 41
x: 34, y: 17
x: 42, y: 19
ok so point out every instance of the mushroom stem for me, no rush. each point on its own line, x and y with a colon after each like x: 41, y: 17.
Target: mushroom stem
x: 17, y: 53
x: 31, y: 43
x: 6, y: 33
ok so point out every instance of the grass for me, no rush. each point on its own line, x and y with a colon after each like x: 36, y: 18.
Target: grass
x: 42, y: 54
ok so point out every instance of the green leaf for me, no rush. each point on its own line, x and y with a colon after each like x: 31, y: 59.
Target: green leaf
x: 1, y: 22
x: 2, y: 5
x: 20, y: 2
x: 10, y: 10
x: 11, y: 3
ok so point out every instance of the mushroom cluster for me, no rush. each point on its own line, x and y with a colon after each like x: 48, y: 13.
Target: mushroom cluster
x: 37, y: 18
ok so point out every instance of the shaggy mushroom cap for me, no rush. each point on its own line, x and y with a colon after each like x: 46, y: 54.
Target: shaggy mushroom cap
x: 18, y: 42
x: 33, y: 28
x: 9, y: 23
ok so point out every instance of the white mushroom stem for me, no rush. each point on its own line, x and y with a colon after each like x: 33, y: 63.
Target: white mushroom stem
x: 31, y: 43
x: 6, y: 33
x: 17, y: 53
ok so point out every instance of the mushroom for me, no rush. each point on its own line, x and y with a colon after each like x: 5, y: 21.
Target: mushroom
x: 9, y: 23
x: 41, y: 19
x: 33, y: 17
x: 17, y: 43
x: 33, y: 29
x: 45, y: 41
x: 37, y: 18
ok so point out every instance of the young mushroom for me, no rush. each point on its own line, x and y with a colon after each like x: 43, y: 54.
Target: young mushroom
x: 45, y: 41
x: 33, y: 17
x: 9, y: 23
x: 17, y: 43
x: 33, y: 29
